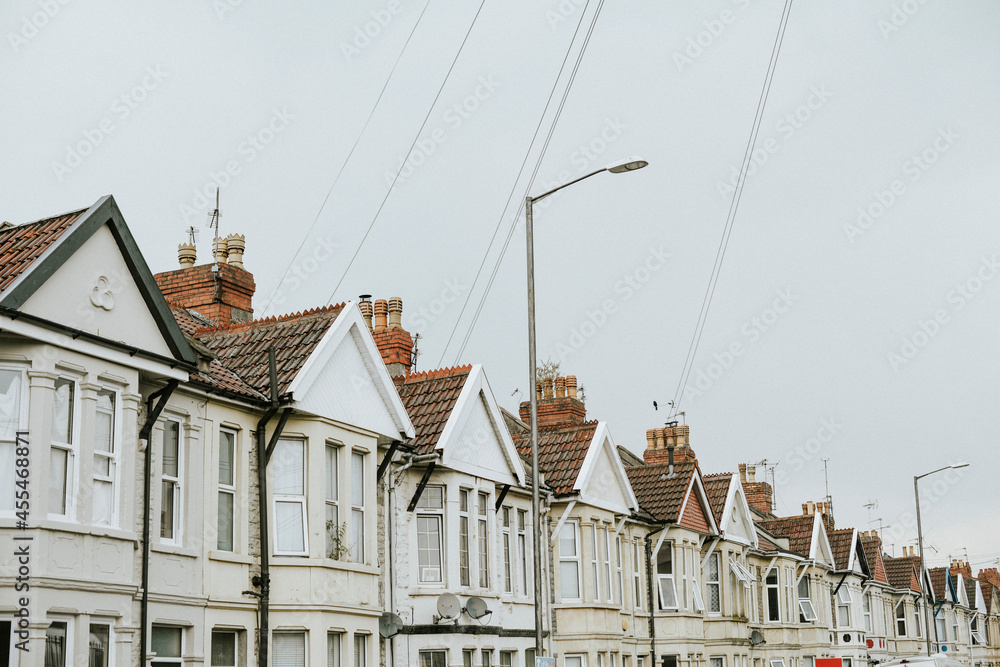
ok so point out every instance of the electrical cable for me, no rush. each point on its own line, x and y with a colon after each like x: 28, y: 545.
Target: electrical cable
x: 416, y: 137
x: 531, y: 181
x: 513, y: 188
x: 346, y: 160
x: 731, y: 216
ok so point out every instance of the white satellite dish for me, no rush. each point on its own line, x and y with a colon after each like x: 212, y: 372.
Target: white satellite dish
x: 389, y: 624
x: 756, y: 638
x: 448, y: 606
x: 476, y: 607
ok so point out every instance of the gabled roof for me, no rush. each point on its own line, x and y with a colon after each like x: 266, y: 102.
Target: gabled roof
x: 730, y: 507
x: 873, y: 553
x: 242, y: 347
x: 680, y: 499
x: 32, y: 253
x: 562, y: 449
x: 841, y: 542
x: 717, y: 488
x: 940, y: 582
x: 454, y: 412
x: 806, y: 535
x: 430, y: 397
x: 902, y: 572
x: 21, y: 245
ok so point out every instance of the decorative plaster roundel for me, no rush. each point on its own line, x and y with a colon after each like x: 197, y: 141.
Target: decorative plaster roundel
x: 102, y: 295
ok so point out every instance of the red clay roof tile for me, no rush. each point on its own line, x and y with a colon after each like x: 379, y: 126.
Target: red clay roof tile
x: 21, y: 245
x: 430, y: 397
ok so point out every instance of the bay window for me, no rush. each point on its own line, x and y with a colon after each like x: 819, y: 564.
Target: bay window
x: 170, y: 483
x: 637, y: 560
x: 569, y: 561
x: 105, y: 458
x: 224, y: 648
x: 289, y: 498
x: 99, y: 648
x: 358, y: 506
x: 227, y: 491
x: 773, y: 601
x: 11, y: 413
x: 168, y: 645
x: 713, y: 583
x: 619, y: 575
x: 866, y: 609
x: 665, y: 576
x: 807, y: 613
x: 844, y: 601
x: 483, y: 539
x: 288, y: 649
x: 430, y: 535
x: 901, y: 618
x: 463, y: 538
x: 522, y: 550
x: 58, y: 644
x: 62, y: 454
x: 335, y: 537
x: 508, y: 581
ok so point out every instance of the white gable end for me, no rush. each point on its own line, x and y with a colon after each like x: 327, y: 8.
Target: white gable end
x: 345, y: 379
x: 604, y: 483
x: 736, y: 523
x: 94, y: 291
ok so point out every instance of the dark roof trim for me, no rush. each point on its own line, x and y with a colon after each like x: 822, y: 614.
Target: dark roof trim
x: 106, y: 211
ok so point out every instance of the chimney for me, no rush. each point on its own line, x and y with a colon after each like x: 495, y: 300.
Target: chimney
x: 221, y: 292
x: 393, y: 341
x: 560, y: 407
x: 752, y: 474
x: 186, y: 255
x: 743, y: 472
x: 673, y: 439
x: 381, y: 310
x: 220, y: 250
x: 759, y: 494
x: 365, y: 306
x: 235, y: 244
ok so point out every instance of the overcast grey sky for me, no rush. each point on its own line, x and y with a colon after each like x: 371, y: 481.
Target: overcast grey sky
x: 858, y: 302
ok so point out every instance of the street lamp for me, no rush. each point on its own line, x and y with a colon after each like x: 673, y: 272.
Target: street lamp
x: 631, y: 164
x: 920, y: 543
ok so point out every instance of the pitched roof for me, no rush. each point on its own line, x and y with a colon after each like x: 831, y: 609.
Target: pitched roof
x: 939, y: 577
x: 429, y: 397
x: 764, y: 543
x: 873, y: 552
x: 841, y: 542
x: 797, y: 529
x: 21, y: 245
x: 662, y: 497
x: 242, y: 347
x: 561, y: 451
x: 628, y: 457
x: 902, y: 572
x: 717, y: 488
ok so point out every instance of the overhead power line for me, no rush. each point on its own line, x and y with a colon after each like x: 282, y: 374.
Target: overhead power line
x: 416, y: 137
x: 347, y: 159
x: 720, y: 255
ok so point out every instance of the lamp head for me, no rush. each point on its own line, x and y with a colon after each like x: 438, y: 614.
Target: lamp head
x: 628, y: 164
x: 959, y: 465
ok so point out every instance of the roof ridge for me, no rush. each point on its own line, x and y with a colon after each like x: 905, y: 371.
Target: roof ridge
x: 226, y: 327
x: 715, y: 475
x: 22, y: 225
x: 435, y: 373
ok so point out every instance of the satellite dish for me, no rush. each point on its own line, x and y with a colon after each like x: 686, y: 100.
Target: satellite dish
x: 476, y: 607
x: 448, y: 606
x: 389, y: 624
x: 756, y: 638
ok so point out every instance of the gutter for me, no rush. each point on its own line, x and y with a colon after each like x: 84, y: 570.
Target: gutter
x: 161, y: 396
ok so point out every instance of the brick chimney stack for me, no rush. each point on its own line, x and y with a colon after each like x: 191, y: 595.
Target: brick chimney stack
x: 759, y: 494
x: 561, y: 406
x: 393, y: 341
x: 961, y: 567
x: 221, y: 291
x: 658, y: 440
x: 990, y: 575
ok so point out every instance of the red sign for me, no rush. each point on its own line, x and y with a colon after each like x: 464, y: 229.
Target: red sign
x: 829, y: 662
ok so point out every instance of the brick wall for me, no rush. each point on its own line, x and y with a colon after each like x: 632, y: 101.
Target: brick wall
x: 225, y: 296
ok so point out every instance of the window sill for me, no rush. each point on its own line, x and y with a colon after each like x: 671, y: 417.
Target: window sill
x: 329, y: 563
x: 173, y: 549
x: 63, y: 526
x: 229, y: 557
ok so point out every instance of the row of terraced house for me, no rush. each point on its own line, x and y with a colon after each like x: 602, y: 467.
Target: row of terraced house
x: 181, y: 484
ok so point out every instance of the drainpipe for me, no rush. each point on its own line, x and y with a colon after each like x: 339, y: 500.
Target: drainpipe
x: 649, y: 593
x: 161, y: 396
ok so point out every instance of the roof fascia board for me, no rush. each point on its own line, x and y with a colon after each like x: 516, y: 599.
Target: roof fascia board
x: 602, y: 439
x: 475, y: 384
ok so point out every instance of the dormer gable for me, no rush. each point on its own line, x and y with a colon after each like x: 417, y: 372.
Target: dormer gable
x: 602, y: 480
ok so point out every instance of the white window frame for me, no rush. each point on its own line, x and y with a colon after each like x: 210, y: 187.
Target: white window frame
x: 866, y: 611
x: 72, y: 451
x: 768, y: 586
x: 941, y: 625
x: 954, y: 626
x: 177, y: 527
x: 574, y: 559
x: 845, y: 600
x: 509, y: 655
x: 605, y: 558
x: 8, y: 442
x: 360, y: 650
x: 335, y: 652
x: 331, y: 500
x: 171, y: 660
x: 508, y: 574
x: 696, y: 598
x: 359, y: 503
x: 432, y: 652
x: 291, y: 633
x: 717, y: 661
x: 110, y: 625
x: 227, y: 489
x: 619, y: 592
x: 716, y: 558
x: 69, y: 646
x: 595, y: 571
x: 112, y: 457
x: 637, y: 573
x: 664, y: 578
x: 975, y: 637
x: 575, y: 660
x: 211, y: 645
x: 806, y: 609
x: 777, y: 662
x: 900, y: 613
x: 483, y: 539
x: 465, y: 527
x: 427, y: 512
x: 522, y: 552
x: 291, y: 498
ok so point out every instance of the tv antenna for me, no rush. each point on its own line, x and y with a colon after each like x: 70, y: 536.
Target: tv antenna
x: 871, y: 505
x: 826, y: 481
x: 192, y: 233
x: 213, y: 218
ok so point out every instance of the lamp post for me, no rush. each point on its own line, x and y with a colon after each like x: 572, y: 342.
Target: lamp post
x: 631, y: 164
x: 920, y: 544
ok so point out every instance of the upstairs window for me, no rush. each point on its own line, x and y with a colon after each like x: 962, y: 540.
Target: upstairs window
x: 569, y: 561
x: 977, y: 638
x: 357, y: 507
x: 866, y: 611
x: 637, y: 560
x: 713, y: 583
x: 336, y: 540
x: 11, y: 411
x: 665, y: 576
x: 170, y: 483
x: 807, y: 613
x: 226, y: 514
x: 522, y: 550
x: 844, y: 601
x: 619, y: 575
x: 508, y: 580
x: 430, y: 535
x: 463, y: 538
x: 105, y: 458
x: 62, y: 454
x: 773, y: 597
x: 483, y: 537
x: 289, y: 498
x: 901, y: 618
